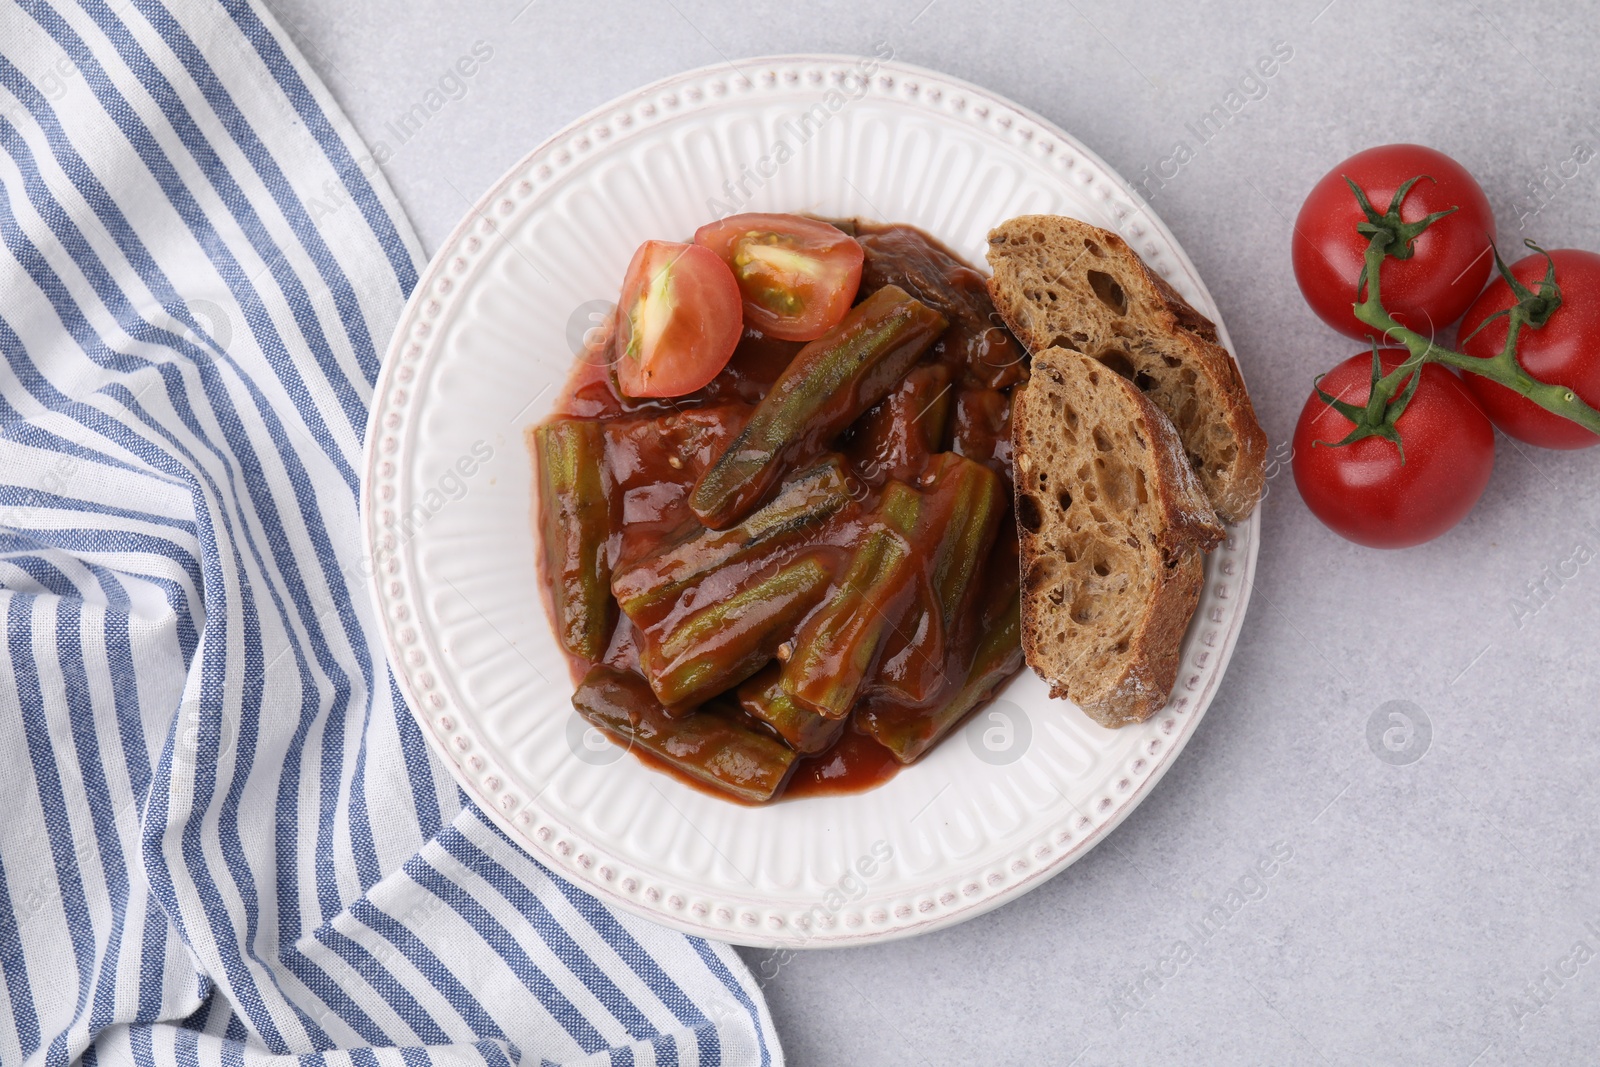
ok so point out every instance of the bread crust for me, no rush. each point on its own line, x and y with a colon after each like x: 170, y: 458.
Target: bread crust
x: 1154, y: 547
x: 1044, y: 286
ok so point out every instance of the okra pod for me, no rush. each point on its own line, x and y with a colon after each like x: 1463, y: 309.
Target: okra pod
x: 708, y: 748
x: 971, y: 502
x: 837, y: 647
x: 801, y: 506
x: 907, y: 732
x: 913, y: 669
x: 912, y: 664
x: 901, y: 506
x: 724, y: 643
x: 763, y: 697
x: 901, y: 433
x: 953, y: 522
x: 575, y: 522
x: 828, y: 384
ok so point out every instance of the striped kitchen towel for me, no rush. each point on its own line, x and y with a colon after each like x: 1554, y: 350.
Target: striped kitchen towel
x: 224, y: 839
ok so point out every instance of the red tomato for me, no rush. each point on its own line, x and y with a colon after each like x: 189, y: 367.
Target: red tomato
x: 1362, y: 491
x: 678, y: 321
x: 1449, y: 262
x: 798, y: 275
x: 1564, y: 351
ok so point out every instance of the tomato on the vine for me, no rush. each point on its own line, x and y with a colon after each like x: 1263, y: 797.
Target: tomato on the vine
x: 1363, y: 491
x: 1564, y: 351
x: 678, y: 321
x: 797, y: 275
x: 1449, y: 261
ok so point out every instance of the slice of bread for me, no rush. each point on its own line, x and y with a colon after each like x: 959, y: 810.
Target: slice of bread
x: 1061, y: 283
x: 1114, y: 527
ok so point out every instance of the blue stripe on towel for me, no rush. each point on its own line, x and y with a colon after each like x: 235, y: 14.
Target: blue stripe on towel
x: 226, y: 838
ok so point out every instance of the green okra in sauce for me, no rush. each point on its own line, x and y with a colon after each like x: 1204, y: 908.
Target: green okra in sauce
x: 974, y: 501
x: 908, y: 733
x: 953, y: 523
x: 763, y: 697
x: 704, y: 746
x: 724, y: 643
x: 829, y: 383
x: 575, y: 518
x: 836, y: 649
x: 902, y: 432
x: 803, y: 573
x: 803, y: 505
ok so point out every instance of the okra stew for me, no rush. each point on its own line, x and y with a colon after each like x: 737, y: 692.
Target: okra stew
x: 774, y: 505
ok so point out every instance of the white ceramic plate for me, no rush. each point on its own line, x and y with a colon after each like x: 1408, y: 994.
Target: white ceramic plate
x: 480, y: 352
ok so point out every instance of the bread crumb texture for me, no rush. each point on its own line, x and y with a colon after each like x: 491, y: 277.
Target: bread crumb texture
x: 1113, y: 527
x: 1062, y: 283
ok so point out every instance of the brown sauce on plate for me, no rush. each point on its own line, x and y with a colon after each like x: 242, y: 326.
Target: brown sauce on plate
x: 655, y: 450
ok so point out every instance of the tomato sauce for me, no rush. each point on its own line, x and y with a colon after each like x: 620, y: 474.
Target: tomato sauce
x: 855, y: 763
x: 656, y: 449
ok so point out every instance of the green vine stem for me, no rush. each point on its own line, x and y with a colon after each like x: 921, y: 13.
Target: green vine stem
x: 1387, y: 237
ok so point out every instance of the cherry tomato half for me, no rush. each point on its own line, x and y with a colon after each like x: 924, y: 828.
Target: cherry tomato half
x: 1362, y: 491
x: 797, y: 275
x: 1564, y: 351
x: 678, y: 320
x: 1450, y: 260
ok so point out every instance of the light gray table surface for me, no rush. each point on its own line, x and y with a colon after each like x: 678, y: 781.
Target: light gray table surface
x: 1441, y: 911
